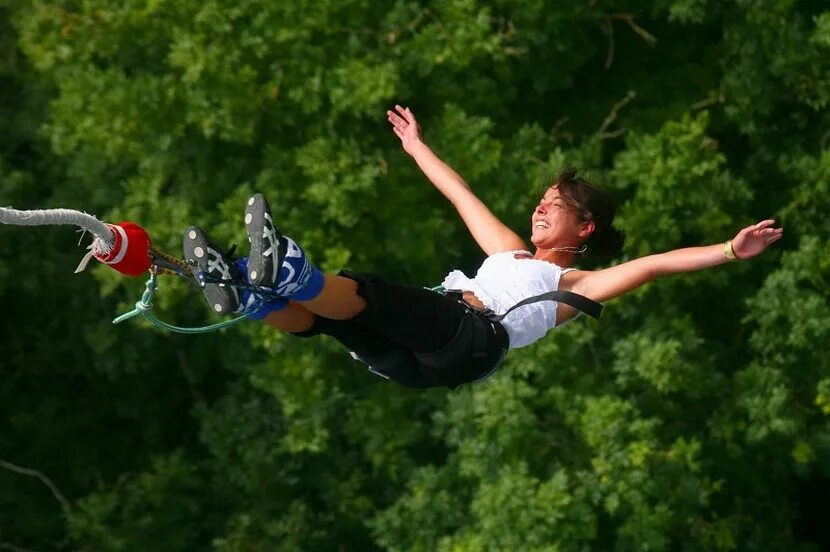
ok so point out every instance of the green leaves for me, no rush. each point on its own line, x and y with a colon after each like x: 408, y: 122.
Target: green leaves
x: 681, y: 190
x: 362, y: 87
x: 142, y: 509
x: 791, y: 305
x: 428, y: 509
x: 658, y: 428
x: 665, y: 358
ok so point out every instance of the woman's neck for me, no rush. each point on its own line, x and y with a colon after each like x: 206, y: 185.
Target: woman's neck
x: 559, y: 258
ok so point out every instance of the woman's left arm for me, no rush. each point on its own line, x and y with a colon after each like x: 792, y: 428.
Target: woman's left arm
x: 602, y: 285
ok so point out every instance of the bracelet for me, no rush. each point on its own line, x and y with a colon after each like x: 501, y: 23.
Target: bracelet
x: 728, y: 252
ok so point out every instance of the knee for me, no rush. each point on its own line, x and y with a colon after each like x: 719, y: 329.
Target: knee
x: 342, y: 298
x: 294, y: 319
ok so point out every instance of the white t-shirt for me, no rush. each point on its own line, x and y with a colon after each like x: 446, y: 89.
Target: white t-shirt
x: 502, y: 281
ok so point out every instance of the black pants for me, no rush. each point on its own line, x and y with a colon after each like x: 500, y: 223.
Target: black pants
x: 415, y: 336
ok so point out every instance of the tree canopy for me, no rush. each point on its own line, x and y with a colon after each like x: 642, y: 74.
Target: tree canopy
x: 694, y: 416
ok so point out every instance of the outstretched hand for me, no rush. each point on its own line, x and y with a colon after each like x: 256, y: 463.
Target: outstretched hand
x: 752, y: 240
x: 405, y: 127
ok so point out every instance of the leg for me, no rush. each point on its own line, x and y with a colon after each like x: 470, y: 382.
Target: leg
x: 421, y: 320
x: 417, y: 318
x: 415, y: 336
x: 384, y: 357
x: 337, y: 300
x: 278, y: 262
x: 293, y: 319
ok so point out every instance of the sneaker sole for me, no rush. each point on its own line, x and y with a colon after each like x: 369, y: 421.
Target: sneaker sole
x: 266, y: 256
x: 197, y: 250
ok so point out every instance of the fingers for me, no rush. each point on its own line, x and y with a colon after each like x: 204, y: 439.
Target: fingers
x: 402, y: 121
x: 761, y: 228
x: 762, y: 232
x: 772, y: 234
x: 765, y: 230
x: 752, y: 240
x: 401, y: 117
x: 406, y: 114
x: 756, y: 226
x: 768, y: 232
x: 396, y: 121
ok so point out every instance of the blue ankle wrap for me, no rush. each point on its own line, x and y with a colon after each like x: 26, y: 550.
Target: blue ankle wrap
x: 298, y: 279
x: 255, y: 307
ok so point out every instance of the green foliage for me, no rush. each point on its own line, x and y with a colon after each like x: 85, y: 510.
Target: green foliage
x: 681, y: 193
x: 688, y: 11
x: 429, y: 508
x: 156, y: 504
x: 693, y: 417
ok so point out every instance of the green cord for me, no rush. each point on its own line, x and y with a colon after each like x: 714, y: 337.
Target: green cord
x: 145, y: 307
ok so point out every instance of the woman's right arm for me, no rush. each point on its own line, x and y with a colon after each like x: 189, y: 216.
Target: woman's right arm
x: 491, y: 234
x: 603, y: 285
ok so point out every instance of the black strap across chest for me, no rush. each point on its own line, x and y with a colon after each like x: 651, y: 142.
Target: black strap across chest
x: 579, y: 302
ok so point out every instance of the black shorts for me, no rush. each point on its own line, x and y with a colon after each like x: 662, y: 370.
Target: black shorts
x: 417, y: 337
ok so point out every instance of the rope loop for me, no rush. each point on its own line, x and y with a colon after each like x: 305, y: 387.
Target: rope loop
x: 146, y: 302
x: 144, y: 307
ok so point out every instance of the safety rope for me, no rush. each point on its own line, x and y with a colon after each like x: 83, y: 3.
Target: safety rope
x: 144, y: 307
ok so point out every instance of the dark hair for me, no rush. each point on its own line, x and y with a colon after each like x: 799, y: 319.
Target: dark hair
x: 591, y: 203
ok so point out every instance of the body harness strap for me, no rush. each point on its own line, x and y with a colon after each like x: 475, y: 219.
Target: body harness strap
x: 579, y: 302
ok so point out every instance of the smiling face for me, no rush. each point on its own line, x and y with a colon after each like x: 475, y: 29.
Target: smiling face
x: 555, y: 223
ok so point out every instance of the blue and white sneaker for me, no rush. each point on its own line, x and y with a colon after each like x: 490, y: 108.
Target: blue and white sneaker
x: 267, y: 244
x: 276, y: 261
x: 254, y: 306
x: 203, y: 256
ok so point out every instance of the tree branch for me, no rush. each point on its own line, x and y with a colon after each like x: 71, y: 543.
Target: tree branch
x: 45, y: 480
x: 555, y: 134
x: 612, y: 116
x: 711, y: 100
x: 393, y: 36
x: 630, y: 19
x: 13, y: 548
x: 609, y: 29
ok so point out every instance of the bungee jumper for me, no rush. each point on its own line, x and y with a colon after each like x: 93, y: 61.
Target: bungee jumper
x: 422, y: 338
x: 457, y: 333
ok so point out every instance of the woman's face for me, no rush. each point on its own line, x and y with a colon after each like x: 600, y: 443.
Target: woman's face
x: 556, y: 224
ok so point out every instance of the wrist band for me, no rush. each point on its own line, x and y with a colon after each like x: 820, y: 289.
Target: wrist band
x: 728, y: 252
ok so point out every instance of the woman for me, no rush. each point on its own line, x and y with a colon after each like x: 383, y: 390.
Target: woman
x: 421, y: 338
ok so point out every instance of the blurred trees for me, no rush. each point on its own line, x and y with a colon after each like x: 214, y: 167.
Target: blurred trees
x: 695, y: 416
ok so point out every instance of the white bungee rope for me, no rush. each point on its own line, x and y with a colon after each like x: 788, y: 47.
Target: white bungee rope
x: 101, y: 245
